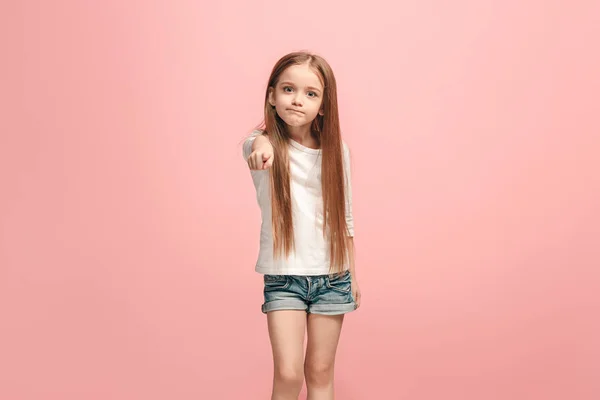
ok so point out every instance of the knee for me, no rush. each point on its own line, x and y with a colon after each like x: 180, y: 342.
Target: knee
x: 289, y: 375
x: 318, y: 373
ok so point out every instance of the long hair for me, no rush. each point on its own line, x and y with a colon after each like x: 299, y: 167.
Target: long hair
x: 326, y: 131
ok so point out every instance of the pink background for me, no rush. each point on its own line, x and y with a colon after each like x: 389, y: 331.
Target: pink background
x: 129, y: 227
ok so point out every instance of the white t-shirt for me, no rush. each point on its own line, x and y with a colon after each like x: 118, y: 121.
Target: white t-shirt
x: 311, y: 255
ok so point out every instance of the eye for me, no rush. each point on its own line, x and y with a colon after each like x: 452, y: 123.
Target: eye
x: 312, y: 94
x: 288, y: 89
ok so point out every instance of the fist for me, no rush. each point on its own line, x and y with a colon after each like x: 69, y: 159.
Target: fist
x: 261, y: 158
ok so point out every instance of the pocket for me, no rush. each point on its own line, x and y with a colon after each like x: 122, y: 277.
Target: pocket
x: 273, y: 282
x: 341, y: 283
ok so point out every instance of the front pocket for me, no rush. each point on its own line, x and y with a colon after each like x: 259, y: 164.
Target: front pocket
x: 274, y: 282
x: 342, y: 284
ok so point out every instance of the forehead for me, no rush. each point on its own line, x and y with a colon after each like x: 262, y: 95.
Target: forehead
x: 301, y: 75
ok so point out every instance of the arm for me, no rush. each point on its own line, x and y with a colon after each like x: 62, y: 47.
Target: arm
x: 356, y: 293
x: 351, y: 256
x: 258, y: 152
x: 350, y: 223
x: 260, y: 141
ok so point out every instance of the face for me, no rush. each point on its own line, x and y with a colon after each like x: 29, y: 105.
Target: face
x: 298, y: 95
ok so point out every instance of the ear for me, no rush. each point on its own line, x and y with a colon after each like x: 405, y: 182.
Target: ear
x: 271, y: 97
x: 321, y: 112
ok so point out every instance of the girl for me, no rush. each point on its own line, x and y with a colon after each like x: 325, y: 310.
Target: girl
x: 301, y: 171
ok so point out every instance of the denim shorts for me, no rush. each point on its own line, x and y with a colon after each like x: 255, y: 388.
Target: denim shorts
x: 316, y: 294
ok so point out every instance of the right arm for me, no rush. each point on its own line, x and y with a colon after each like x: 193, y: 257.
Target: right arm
x: 261, y: 156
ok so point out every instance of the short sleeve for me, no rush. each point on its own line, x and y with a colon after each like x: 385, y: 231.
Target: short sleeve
x: 348, y: 189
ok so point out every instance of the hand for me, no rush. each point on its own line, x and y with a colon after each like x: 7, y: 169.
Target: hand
x: 262, y: 157
x: 356, y: 292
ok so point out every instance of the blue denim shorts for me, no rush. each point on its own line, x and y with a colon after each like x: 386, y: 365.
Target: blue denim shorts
x: 317, y: 294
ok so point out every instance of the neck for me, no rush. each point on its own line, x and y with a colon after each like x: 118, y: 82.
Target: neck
x: 302, y: 135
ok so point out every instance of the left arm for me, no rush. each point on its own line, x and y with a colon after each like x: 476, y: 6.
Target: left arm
x: 355, y: 287
x: 351, y: 256
x: 350, y: 223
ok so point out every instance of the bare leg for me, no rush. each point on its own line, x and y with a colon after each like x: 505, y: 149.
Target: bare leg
x: 323, y: 337
x: 286, y: 331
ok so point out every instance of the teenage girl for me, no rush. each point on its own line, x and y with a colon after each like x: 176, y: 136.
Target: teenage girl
x: 301, y: 171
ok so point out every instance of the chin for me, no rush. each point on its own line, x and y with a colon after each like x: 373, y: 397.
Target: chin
x: 294, y: 121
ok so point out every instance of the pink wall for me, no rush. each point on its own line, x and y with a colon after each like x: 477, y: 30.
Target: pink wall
x: 128, y: 224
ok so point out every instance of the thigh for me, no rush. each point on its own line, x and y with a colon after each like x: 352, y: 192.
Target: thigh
x: 323, y: 338
x: 286, y: 331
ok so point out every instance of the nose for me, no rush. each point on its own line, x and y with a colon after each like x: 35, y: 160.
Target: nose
x: 297, y: 100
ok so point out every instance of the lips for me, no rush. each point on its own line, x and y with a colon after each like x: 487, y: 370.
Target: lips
x: 296, y: 111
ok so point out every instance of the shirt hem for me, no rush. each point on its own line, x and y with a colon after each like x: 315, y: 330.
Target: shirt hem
x: 269, y: 271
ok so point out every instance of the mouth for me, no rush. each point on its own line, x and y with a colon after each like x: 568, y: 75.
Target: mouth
x: 296, y: 111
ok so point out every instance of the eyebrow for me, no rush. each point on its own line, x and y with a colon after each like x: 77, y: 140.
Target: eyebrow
x: 308, y: 87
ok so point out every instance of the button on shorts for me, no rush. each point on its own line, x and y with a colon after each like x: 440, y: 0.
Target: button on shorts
x: 316, y: 294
